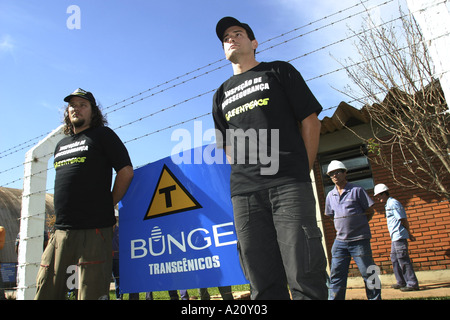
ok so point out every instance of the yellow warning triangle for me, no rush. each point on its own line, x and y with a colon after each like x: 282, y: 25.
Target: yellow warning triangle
x: 170, y: 197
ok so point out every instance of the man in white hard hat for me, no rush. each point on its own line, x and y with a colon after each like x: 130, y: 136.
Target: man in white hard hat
x: 400, y: 233
x: 350, y: 208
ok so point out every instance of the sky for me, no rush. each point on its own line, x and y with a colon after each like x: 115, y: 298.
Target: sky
x: 153, y: 66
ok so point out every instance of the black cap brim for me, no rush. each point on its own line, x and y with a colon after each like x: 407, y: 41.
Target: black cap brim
x: 81, y: 94
x: 67, y: 99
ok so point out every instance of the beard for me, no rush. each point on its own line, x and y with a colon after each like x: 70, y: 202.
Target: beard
x: 77, y: 123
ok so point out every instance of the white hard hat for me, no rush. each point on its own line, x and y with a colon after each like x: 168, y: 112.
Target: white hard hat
x: 379, y: 188
x: 335, y: 165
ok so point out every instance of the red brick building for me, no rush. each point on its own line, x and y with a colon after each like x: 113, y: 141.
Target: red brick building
x: 428, y: 214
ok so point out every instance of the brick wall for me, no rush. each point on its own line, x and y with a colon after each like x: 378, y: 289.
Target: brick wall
x: 429, y: 218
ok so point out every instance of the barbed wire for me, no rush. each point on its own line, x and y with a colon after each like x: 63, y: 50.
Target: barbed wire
x: 215, y: 62
x: 132, y: 100
x: 211, y: 91
x: 210, y: 71
x: 27, y: 143
x: 379, y: 257
x: 20, y: 144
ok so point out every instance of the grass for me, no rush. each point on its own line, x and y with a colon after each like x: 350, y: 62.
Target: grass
x: 164, y: 295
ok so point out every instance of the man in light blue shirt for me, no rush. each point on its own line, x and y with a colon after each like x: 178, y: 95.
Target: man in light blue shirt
x: 400, y: 233
x: 349, y: 206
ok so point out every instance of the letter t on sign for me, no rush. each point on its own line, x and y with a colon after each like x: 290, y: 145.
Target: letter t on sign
x: 166, y: 192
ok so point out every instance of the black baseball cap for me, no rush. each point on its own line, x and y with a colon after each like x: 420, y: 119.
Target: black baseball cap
x: 82, y: 94
x: 227, y: 22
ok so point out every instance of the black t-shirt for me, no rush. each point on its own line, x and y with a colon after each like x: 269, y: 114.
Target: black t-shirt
x: 263, y: 107
x: 83, y: 164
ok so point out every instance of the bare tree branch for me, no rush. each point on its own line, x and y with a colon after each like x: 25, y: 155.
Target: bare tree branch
x: 395, y: 64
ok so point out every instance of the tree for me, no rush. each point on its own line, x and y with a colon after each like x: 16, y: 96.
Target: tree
x: 411, y: 121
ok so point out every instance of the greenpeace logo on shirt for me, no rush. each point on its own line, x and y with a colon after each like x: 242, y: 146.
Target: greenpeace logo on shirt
x: 69, y: 161
x: 244, y: 108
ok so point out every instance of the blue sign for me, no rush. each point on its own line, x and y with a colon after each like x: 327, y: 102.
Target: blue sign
x: 177, y: 228
x: 8, y: 271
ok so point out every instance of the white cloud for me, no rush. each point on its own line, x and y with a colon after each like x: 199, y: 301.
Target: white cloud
x: 6, y: 44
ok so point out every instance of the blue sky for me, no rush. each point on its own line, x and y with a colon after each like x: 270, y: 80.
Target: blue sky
x: 138, y: 57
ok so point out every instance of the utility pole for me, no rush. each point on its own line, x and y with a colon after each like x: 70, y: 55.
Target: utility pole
x: 33, y: 213
x: 433, y: 18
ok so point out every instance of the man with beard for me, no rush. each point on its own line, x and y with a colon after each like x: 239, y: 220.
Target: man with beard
x: 84, y: 203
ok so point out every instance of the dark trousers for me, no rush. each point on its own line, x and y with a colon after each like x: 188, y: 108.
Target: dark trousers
x: 401, y: 263
x: 225, y: 292
x: 280, y: 244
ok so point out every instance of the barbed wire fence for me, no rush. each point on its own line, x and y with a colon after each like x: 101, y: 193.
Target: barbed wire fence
x: 328, y: 21
x: 159, y: 88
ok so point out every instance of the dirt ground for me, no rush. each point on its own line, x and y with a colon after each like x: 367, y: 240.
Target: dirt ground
x: 427, y: 290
